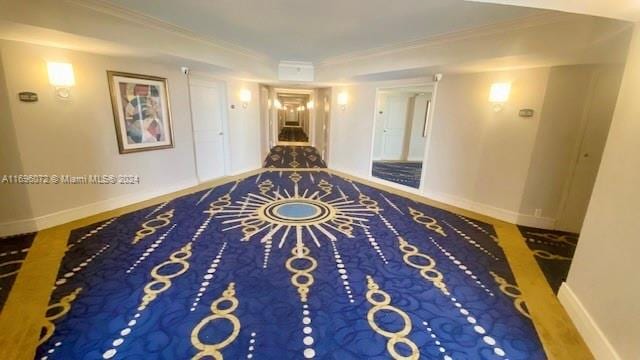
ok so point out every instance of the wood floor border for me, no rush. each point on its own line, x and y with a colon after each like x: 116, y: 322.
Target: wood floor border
x: 23, y: 313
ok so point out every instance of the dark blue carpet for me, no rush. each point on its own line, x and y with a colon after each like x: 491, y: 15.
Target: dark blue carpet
x: 13, y: 251
x: 292, y: 133
x: 400, y: 172
x: 553, y: 250
x: 287, y: 265
x: 294, y: 157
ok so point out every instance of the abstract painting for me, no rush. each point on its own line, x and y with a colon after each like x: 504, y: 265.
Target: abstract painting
x: 141, y: 111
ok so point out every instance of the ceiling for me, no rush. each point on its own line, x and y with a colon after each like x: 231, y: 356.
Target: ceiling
x: 293, y: 99
x: 315, y: 31
x: 356, y: 40
x: 615, y: 9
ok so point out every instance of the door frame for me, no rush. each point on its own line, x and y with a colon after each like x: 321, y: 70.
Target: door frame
x: 221, y: 85
x: 427, y: 143
x: 312, y: 116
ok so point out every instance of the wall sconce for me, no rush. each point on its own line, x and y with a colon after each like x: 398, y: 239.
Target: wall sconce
x: 310, y: 104
x: 343, y: 99
x: 62, y: 78
x: 245, y: 97
x: 499, y: 95
x: 277, y: 104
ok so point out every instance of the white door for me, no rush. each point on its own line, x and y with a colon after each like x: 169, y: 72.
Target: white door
x: 599, y: 115
x: 395, y: 123
x: 207, y: 105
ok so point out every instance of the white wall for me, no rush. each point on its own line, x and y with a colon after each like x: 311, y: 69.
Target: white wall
x: 244, y: 127
x: 416, y: 140
x: 351, y: 129
x: 478, y: 156
x: 467, y: 161
x: 602, y: 294
x: 380, y: 114
x: 577, y: 111
x: 15, y: 199
x: 77, y: 137
x: 486, y: 161
x: 318, y: 109
x: 265, y: 112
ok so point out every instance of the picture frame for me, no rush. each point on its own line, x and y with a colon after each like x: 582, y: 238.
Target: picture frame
x: 141, y: 111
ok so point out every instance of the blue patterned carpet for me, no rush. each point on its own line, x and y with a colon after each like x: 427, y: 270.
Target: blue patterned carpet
x: 406, y: 173
x: 13, y: 251
x: 294, y: 157
x: 553, y: 251
x: 286, y: 265
x: 292, y: 133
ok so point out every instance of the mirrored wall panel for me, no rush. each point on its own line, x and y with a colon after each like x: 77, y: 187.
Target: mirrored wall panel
x: 293, y: 117
x: 401, y: 126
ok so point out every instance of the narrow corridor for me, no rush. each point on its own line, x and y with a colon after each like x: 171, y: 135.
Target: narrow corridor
x: 294, y: 157
x: 293, y: 134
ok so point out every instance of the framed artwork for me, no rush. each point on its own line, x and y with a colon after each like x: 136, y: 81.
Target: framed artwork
x: 141, y: 111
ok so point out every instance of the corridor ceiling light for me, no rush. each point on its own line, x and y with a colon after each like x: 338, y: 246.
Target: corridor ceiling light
x: 499, y: 94
x: 245, y: 97
x: 61, y: 77
x: 343, y: 99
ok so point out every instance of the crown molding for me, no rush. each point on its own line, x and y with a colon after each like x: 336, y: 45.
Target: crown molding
x: 106, y: 7
x: 544, y: 18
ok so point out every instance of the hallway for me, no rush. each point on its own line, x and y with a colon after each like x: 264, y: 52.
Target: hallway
x: 439, y: 180
x: 294, y: 157
x: 293, y: 134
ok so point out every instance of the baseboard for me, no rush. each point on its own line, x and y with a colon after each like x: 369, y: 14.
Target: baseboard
x: 587, y: 327
x: 460, y: 202
x: 537, y: 222
x: 245, y: 170
x: 67, y: 215
x: 495, y: 212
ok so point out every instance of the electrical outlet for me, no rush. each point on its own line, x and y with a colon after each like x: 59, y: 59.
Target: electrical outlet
x: 537, y: 213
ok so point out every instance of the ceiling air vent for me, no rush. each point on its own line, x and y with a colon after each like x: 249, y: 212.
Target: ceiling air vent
x: 295, y: 71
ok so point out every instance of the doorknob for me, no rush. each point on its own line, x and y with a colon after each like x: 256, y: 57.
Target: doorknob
x: 220, y: 133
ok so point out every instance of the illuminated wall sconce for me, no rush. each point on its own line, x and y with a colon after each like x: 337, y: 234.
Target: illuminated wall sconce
x: 343, y: 99
x: 245, y: 97
x: 62, y: 78
x: 300, y: 108
x: 277, y: 104
x: 310, y: 104
x: 499, y: 95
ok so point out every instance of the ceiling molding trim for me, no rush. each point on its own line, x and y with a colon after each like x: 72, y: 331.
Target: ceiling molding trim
x: 105, y: 7
x: 545, y: 18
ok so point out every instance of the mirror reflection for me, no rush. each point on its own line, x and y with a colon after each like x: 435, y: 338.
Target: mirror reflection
x: 293, y: 118
x: 401, y: 126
